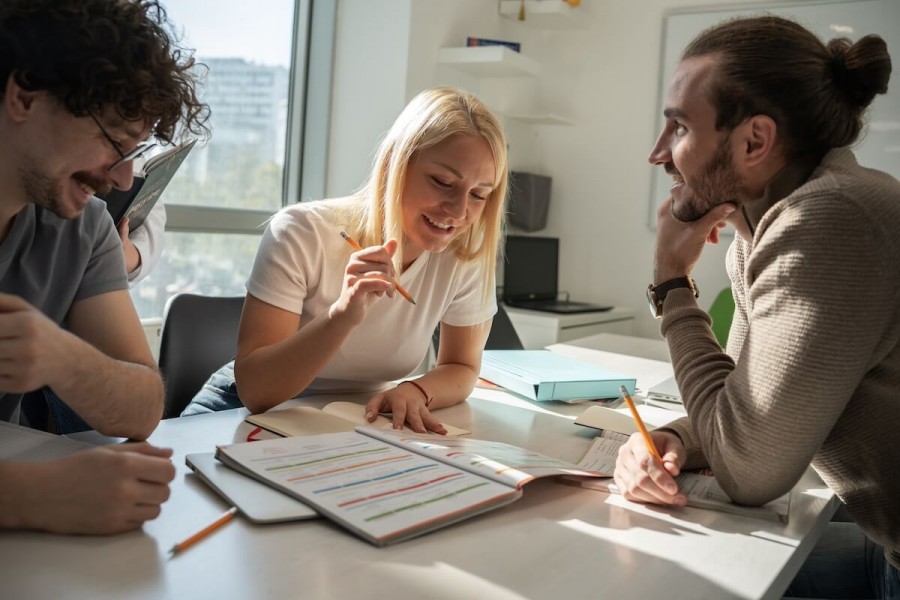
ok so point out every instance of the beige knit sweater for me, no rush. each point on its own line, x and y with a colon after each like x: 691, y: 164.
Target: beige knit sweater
x: 812, y: 370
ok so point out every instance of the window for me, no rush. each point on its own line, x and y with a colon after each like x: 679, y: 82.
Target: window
x: 258, y: 69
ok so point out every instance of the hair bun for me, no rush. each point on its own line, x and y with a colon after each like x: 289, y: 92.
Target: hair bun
x: 861, y: 70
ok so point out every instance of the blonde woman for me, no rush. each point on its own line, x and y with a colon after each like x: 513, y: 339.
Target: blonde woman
x: 321, y: 317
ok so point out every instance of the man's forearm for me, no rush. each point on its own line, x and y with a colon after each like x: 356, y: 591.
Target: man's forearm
x: 116, y: 397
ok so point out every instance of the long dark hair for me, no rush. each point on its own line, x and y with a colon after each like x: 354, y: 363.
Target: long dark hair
x: 816, y: 93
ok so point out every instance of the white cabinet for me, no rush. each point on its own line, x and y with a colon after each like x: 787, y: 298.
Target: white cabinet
x: 537, y: 329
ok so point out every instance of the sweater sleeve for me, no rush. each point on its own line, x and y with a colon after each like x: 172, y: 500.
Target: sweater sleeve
x: 759, y: 421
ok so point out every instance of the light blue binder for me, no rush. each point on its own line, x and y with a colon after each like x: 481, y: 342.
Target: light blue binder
x: 545, y: 375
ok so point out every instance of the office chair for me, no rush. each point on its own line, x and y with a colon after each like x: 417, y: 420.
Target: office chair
x: 199, y: 335
x: 721, y: 311
x: 503, y: 335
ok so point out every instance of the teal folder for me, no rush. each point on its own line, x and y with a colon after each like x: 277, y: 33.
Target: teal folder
x: 545, y: 375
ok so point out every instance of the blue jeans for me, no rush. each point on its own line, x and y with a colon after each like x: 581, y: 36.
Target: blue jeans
x: 218, y: 393
x: 846, y: 564
x: 45, y: 410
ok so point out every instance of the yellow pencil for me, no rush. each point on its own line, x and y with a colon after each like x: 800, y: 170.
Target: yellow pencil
x: 640, y: 423
x: 396, y: 283
x: 184, y: 545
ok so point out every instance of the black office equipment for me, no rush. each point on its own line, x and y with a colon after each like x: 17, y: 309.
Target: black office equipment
x: 531, y: 274
x: 529, y: 200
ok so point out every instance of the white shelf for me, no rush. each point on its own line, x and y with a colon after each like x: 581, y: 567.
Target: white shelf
x: 489, y: 61
x: 542, y: 119
x: 545, y: 14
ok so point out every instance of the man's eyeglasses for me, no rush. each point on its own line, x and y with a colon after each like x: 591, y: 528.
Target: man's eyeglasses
x: 133, y: 154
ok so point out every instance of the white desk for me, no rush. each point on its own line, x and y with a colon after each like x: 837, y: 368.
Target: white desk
x: 555, y: 542
x: 537, y: 329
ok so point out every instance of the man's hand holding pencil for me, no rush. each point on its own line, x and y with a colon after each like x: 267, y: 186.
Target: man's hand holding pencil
x: 648, y: 463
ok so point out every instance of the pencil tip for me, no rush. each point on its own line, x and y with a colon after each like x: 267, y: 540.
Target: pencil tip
x: 411, y: 300
x: 344, y: 235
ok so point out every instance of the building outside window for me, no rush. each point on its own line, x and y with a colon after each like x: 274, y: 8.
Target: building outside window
x: 254, y: 78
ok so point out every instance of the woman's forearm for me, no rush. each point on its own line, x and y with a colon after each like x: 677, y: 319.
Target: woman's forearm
x: 270, y: 375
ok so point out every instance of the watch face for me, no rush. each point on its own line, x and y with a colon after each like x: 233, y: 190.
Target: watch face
x: 655, y: 307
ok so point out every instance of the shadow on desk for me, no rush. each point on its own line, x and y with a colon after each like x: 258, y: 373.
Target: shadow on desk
x: 84, y: 566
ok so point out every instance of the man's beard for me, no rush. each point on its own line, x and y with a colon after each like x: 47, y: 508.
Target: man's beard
x: 45, y: 192
x: 40, y: 189
x: 717, y: 185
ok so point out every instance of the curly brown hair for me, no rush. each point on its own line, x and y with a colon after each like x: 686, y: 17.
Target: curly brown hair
x: 93, y: 55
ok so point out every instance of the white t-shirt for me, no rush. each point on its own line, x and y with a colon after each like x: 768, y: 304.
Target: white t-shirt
x: 300, y: 268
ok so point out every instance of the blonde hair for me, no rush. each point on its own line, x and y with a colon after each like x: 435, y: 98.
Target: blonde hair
x: 430, y: 118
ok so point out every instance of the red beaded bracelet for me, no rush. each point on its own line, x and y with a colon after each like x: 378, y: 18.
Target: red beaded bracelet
x: 421, y: 389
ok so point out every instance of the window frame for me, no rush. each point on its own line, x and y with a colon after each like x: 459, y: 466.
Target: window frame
x: 306, y: 141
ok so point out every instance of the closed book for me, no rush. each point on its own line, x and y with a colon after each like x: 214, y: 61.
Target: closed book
x: 137, y: 201
x: 545, y: 375
x: 477, y: 41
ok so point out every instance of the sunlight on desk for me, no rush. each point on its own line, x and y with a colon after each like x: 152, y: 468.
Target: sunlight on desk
x: 690, y: 542
x: 501, y: 396
x: 439, y: 581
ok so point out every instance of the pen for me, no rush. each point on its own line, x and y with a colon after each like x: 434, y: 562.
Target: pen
x: 397, y: 285
x: 185, y: 544
x: 640, y: 423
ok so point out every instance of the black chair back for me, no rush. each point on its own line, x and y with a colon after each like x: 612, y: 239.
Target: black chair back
x: 503, y: 335
x: 199, y: 335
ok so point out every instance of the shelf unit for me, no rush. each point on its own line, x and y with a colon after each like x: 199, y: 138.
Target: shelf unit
x: 499, y: 61
x: 489, y: 61
x: 544, y: 14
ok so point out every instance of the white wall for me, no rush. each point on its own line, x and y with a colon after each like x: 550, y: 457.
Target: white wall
x: 603, y: 74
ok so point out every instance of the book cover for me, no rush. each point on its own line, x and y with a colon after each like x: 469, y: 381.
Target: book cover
x: 257, y: 501
x: 701, y: 490
x: 137, y: 202
x: 546, y: 375
x: 477, y: 41
x: 333, y: 418
x: 387, y: 486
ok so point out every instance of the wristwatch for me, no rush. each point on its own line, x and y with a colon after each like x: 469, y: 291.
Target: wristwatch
x: 657, y: 293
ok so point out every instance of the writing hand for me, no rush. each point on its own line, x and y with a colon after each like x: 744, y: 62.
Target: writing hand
x: 641, y: 478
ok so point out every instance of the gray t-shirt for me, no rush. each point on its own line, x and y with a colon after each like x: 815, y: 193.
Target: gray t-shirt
x: 52, y: 262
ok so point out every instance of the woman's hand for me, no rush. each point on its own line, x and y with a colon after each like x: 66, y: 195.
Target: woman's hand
x: 367, y: 277
x: 641, y: 478
x: 407, y: 405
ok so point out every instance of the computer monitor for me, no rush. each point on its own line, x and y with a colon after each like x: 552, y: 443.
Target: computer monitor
x: 531, y: 268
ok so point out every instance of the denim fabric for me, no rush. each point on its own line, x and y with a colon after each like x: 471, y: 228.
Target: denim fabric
x: 846, y: 564
x: 218, y: 393
x: 44, y: 410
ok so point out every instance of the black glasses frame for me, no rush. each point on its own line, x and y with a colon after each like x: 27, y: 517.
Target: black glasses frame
x: 132, y: 154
